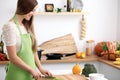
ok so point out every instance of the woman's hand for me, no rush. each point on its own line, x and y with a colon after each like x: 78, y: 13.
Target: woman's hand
x: 36, y: 74
x: 39, y: 66
x: 45, y: 72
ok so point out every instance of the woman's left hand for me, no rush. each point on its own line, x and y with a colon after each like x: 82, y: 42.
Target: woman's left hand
x: 46, y: 72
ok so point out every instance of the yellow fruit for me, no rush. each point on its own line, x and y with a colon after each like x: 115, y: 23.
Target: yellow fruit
x: 78, y: 54
x: 76, y: 69
x: 83, y: 55
x: 117, y: 62
x: 117, y: 59
x: 117, y: 51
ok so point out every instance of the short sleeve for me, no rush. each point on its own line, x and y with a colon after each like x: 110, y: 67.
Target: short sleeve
x: 9, y: 35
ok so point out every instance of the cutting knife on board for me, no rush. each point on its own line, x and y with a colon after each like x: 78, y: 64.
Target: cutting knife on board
x: 50, y: 77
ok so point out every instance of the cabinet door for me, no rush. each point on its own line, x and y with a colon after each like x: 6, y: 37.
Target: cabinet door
x: 110, y: 72
x: 66, y: 68
x: 2, y: 72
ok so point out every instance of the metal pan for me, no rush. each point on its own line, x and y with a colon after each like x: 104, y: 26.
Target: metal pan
x: 53, y: 56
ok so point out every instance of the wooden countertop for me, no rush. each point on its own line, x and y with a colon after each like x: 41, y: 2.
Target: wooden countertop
x: 70, y: 59
x: 109, y: 63
x: 74, y: 59
x: 4, y: 62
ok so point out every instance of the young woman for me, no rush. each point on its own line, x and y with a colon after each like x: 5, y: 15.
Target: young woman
x: 19, y: 37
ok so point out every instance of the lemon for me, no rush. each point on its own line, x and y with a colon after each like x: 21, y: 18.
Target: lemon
x: 118, y: 52
x: 116, y: 62
x: 117, y: 59
x: 83, y: 55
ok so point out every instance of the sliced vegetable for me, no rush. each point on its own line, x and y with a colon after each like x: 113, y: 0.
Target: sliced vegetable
x: 57, y: 79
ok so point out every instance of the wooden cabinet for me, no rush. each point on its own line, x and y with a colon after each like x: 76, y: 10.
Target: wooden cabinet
x: 64, y: 66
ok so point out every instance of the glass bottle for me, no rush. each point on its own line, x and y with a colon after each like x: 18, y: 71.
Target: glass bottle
x: 68, y: 5
x: 1, y: 46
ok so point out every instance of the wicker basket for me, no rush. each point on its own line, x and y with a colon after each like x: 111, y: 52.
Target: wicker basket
x: 111, y: 56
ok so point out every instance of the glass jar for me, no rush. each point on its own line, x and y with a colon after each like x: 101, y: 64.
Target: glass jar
x: 116, y: 45
x: 89, y: 47
x: 77, y: 5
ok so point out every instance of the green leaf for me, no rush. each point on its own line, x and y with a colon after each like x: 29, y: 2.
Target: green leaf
x: 57, y: 79
x: 118, y: 48
x: 105, y: 47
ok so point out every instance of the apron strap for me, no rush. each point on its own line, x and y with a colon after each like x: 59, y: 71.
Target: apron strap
x: 16, y: 22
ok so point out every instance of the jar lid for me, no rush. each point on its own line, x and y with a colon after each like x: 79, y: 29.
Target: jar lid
x: 90, y: 41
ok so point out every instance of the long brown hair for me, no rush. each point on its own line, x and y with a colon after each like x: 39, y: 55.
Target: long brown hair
x: 24, y: 7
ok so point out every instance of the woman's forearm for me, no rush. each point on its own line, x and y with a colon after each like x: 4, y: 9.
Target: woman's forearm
x: 39, y: 65
x: 16, y: 60
x: 37, y: 61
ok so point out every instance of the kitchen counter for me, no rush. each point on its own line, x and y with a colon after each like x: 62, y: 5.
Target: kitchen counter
x: 109, y: 63
x: 74, y: 59
x: 87, y: 59
x: 70, y: 59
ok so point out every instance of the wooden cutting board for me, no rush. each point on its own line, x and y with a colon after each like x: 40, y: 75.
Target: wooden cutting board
x: 67, y: 77
x: 63, y: 44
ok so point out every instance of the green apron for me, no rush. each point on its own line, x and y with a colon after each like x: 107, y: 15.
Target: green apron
x: 26, y: 54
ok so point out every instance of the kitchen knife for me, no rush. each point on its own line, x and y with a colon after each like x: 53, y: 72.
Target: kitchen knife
x: 48, y: 77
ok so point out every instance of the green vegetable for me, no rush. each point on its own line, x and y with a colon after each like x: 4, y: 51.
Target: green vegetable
x: 56, y: 79
x: 118, y: 48
x: 105, y: 47
x: 51, y: 78
x: 48, y: 77
x: 88, y: 68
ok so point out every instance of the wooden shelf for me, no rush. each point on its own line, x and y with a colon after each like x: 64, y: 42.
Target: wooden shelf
x: 4, y: 62
x: 60, y: 13
x: 74, y: 59
x: 68, y: 59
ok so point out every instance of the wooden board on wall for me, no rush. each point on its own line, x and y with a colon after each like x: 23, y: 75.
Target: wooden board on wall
x: 63, y: 44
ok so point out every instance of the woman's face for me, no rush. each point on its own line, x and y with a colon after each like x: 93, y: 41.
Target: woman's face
x: 30, y: 14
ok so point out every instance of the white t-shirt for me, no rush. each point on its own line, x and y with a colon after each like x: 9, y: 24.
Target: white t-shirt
x: 11, y: 35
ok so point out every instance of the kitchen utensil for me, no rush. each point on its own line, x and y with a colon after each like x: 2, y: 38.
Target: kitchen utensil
x: 39, y: 54
x: 54, y: 56
x: 48, y: 77
x: 63, y: 44
x: 96, y: 76
x: 65, y: 77
x: 51, y: 56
